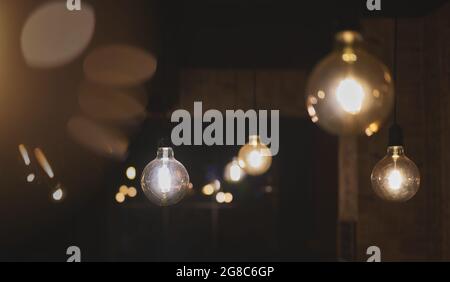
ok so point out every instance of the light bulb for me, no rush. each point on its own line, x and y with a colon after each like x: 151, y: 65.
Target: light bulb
x: 395, y: 177
x: 349, y: 91
x: 255, y: 158
x: 165, y: 181
x: 233, y: 172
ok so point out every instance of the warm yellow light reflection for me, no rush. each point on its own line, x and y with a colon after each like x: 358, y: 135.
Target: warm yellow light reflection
x: 24, y: 153
x: 43, y: 162
x: 228, y: 198
x: 373, y: 128
x: 120, y: 198
x: 123, y: 190
x: 349, y: 57
x: 350, y: 96
x: 208, y: 190
x: 131, y: 173
x: 132, y: 192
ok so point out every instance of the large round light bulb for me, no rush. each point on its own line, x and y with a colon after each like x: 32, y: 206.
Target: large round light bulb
x: 395, y: 177
x: 165, y: 181
x: 233, y: 172
x: 350, y: 91
x: 255, y: 157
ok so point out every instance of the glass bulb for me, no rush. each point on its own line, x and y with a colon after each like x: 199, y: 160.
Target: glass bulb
x: 255, y: 158
x: 165, y: 181
x: 395, y: 177
x: 233, y: 171
x: 350, y: 92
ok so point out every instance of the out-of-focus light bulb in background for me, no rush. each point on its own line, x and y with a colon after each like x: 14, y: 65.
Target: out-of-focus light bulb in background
x: 349, y: 90
x: 165, y: 181
x: 395, y: 177
x: 131, y: 173
x: 233, y: 172
x: 255, y: 158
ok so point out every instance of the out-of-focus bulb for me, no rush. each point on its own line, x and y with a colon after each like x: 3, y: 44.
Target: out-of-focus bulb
x: 350, y: 96
x: 131, y: 173
x: 165, y: 181
x: 255, y: 158
x: 349, y: 90
x: 233, y: 172
x: 395, y: 177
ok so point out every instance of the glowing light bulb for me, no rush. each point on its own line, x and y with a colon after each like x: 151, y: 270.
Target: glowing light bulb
x: 395, y: 177
x: 233, y: 171
x: 165, y: 181
x: 349, y: 89
x: 350, y: 96
x: 255, y: 158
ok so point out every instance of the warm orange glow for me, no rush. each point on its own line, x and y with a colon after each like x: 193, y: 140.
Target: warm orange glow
x: 43, y: 162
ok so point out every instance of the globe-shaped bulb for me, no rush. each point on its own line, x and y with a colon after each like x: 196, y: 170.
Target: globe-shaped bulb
x: 395, y: 178
x: 165, y: 180
x: 255, y: 157
x: 349, y: 92
x: 233, y: 172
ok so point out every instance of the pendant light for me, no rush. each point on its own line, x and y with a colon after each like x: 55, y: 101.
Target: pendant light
x: 165, y: 181
x: 349, y: 92
x: 395, y: 178
x: 255, y: 157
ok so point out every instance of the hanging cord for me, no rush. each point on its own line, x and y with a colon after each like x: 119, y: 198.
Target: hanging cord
x: 395, y: 132
x: 395, y: 69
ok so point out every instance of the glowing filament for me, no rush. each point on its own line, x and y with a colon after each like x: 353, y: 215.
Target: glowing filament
x: 164, y: 179
x: 350, y: 96
x: 395, y: 180
x: 255, y: 159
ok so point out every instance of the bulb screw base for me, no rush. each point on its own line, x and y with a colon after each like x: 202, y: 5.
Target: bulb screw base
x: 395, y: 135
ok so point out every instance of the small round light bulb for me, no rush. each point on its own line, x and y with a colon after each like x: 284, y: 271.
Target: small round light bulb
x: 395, y: 177
x: 255, y: 157
x: 165, y: 181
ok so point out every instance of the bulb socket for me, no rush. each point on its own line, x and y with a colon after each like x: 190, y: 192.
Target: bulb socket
x: 395, y: 135
x: 164, y: 143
